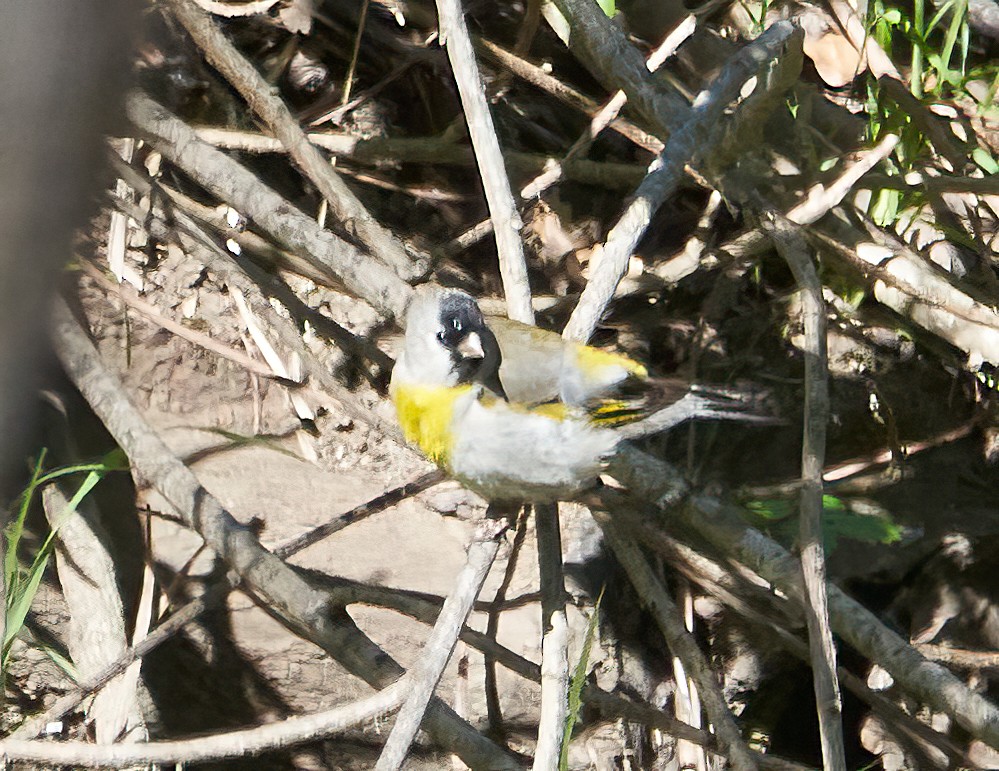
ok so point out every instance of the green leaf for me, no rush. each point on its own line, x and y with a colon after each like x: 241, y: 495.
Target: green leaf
x: 886, y: 206
x: 984, y: 159
x: 771, y: 510
x: 857, y: 527
x: 609, y: 7
x: 838, y: 521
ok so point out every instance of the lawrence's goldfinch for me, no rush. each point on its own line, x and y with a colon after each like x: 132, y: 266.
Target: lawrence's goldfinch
x: 516, y: 413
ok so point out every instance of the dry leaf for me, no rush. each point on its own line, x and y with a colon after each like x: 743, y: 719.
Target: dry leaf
x: 834, y: 56
x: 296, y: 17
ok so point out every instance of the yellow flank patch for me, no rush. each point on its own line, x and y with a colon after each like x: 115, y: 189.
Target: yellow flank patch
x: 592, y: 360
x: 553, y: 410
x: 425, y: 417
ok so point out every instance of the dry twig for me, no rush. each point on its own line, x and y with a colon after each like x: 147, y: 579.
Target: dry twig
x: 554, y: 641
x: 233, y: 744
x: 720, y: 523
x: 499, y: 196
x: 437, y: 651
x: 792, y: 247
x: 669, y: 620
x: 686, y: 146
x: 369, y: 279
x: 258, y: 94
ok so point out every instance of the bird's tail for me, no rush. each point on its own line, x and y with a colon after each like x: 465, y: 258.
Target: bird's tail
x: 704, y: 402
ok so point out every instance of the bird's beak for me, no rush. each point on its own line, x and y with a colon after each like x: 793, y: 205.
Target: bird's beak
x: 471, y: 347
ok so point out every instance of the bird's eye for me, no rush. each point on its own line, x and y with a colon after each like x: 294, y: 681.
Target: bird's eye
x: 456, y: 323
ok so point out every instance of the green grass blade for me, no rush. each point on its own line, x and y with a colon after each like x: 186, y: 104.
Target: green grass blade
x: 918, y: 23
x: 576, y: 685
x: 957, y: 21
x: 23, y: 585
x: 16, y: 528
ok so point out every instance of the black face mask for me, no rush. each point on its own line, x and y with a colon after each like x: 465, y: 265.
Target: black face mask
x: 460, y: 316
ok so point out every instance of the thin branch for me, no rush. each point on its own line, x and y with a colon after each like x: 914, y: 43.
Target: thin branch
x: 499, y: 196
x: 425, y: 608
x: 425, y: 150
x: 263, y: 100
x: 606, y: 52
x: 608, y: 112
x: 919, y: 291
x: 233, y: 744
x: 368, y: 279
x: 348, y: 81
x: 196, y: 242
x: 214, y: 595
x: 765, y: 611
x: 685, y: 147
x: 152, y: 313
x: 386, y: 500
x: 232, y: 10
x: 554, y: 641
x: 426, y: 673
x: 681, y: 644
x: 538, y: 78
x: 721, y: 524
x: 494, y: 714
x: 792, y: 247
x: 818, y: 201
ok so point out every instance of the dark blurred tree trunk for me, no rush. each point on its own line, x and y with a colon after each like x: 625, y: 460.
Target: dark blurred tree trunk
x: 62, y: 72
x: 63, y: 68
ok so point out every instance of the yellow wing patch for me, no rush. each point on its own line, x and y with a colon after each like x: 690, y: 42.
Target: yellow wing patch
x: 593, y: 360
x: 615, y: 412
x: 425, y: 414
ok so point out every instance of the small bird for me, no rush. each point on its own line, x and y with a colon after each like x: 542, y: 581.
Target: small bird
x: 518, y: 414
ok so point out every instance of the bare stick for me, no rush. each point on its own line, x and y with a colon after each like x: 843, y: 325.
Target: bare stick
x: 437, y: 652
x: 370, y: 280
x: 608, y: 112
x: 231, y: 10
x: 499, y: 196
x: 606, y: 52
x: 494, y: 713
x: 427, y: 150
x: 792, y: 247
x: 535, y: 76
x: 384, y: 501
x: 764, y: 610
x: 215, y: 594
x: 195, y: 241
x: 905, y: 282
x: 233, y: 744
x: 721, y: 524
x: 425, y: 609
x: 262, y: 99
x: 554, y: 642
x: 669, y: 620
x: 685, y: 147
x: 152, y: 313
x: 819, y: 200
x: 348, y: 81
